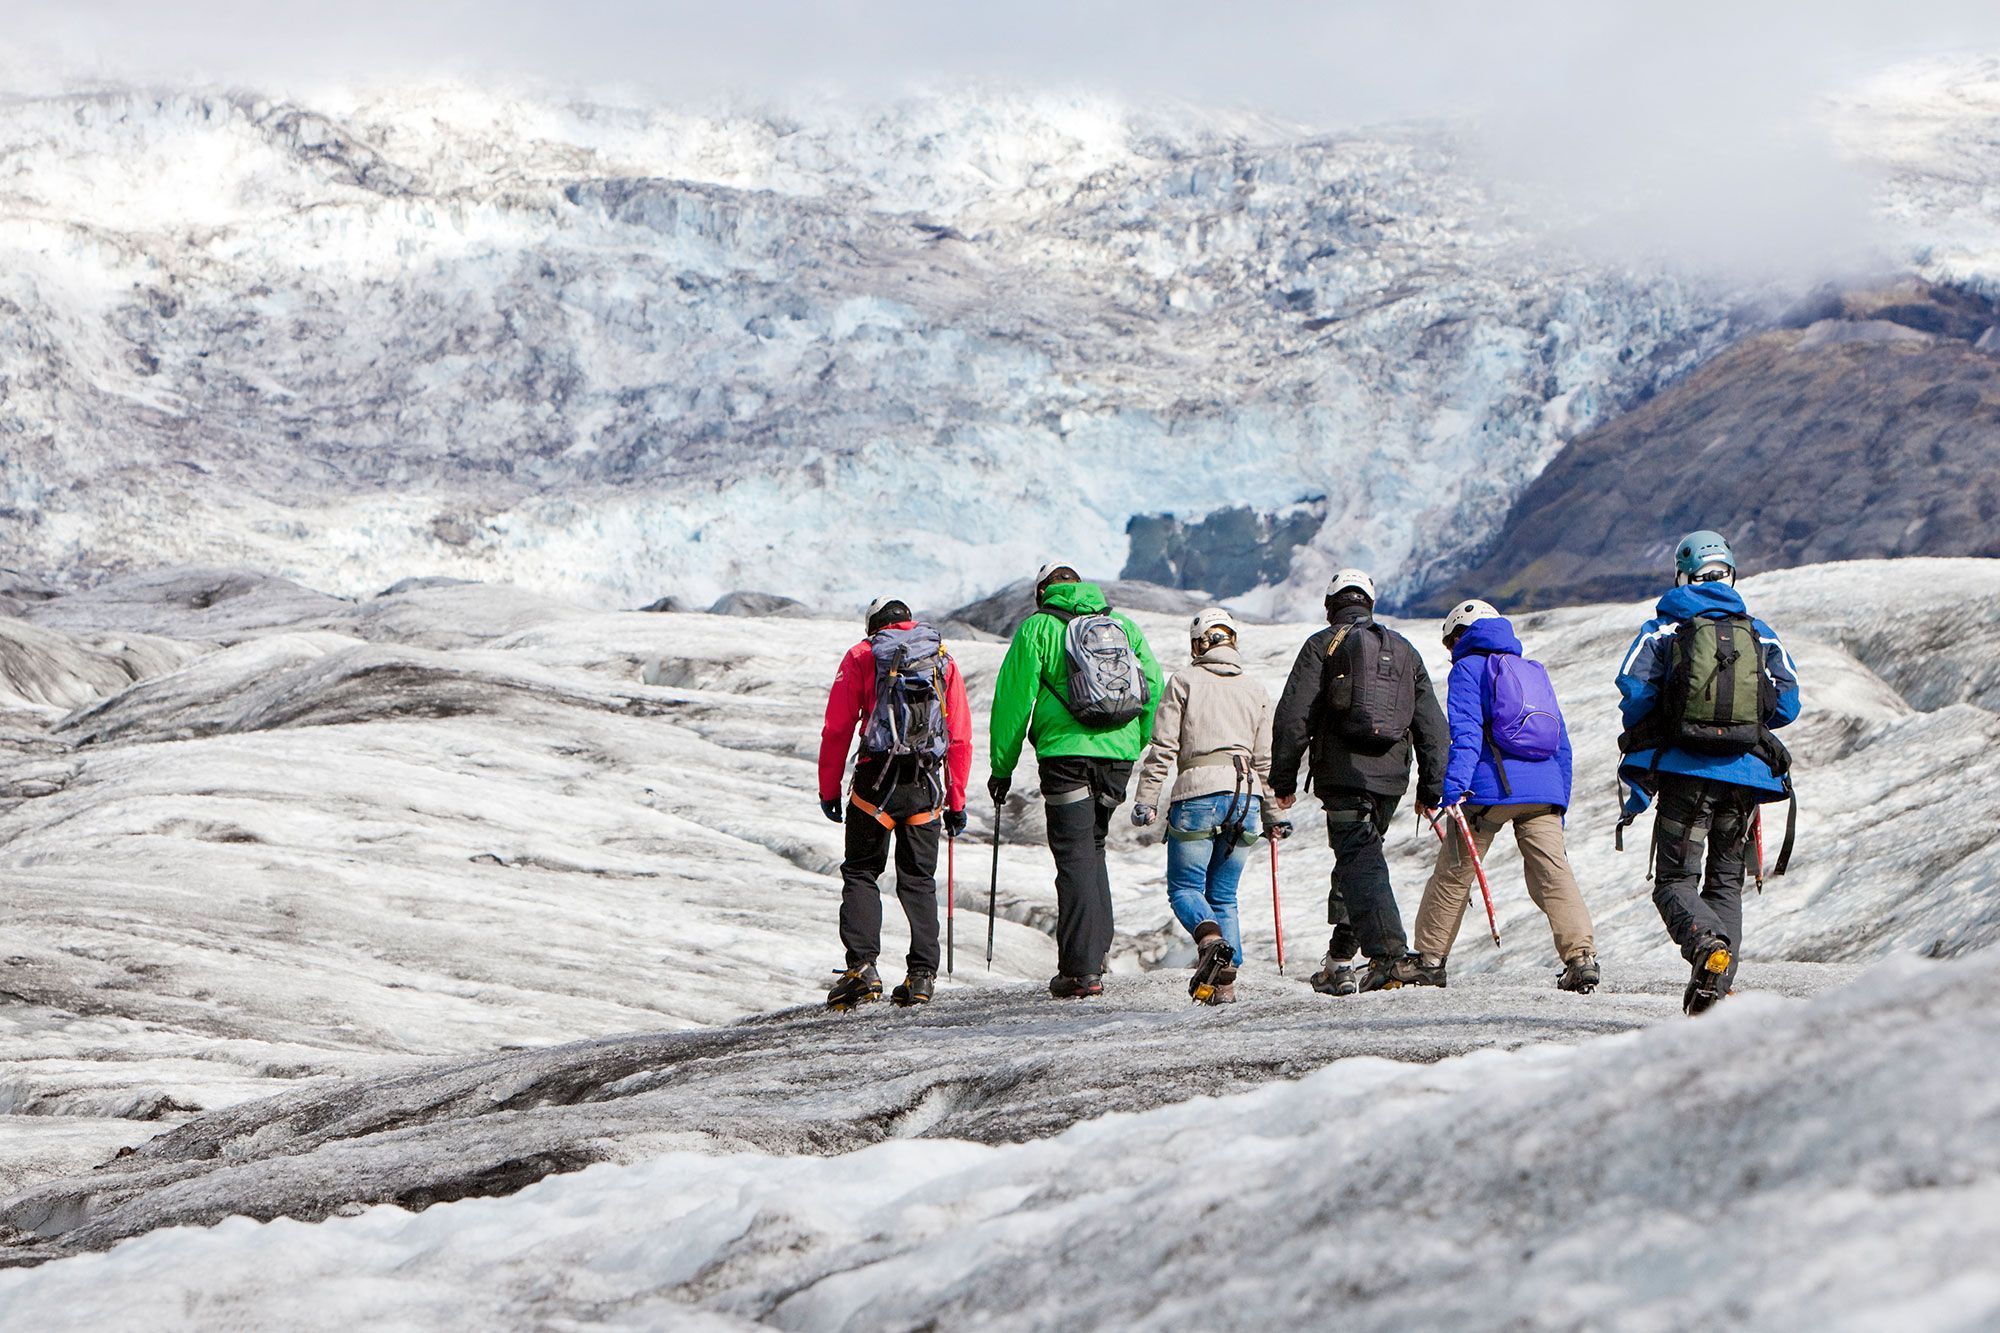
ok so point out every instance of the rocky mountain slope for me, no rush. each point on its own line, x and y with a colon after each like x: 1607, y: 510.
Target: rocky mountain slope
x: 1869, y: 428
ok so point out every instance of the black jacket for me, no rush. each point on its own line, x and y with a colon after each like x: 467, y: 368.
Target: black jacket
x: 1335, y: 767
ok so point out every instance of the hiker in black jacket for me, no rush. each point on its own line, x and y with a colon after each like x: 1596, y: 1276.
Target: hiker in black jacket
x: 1360, y: 700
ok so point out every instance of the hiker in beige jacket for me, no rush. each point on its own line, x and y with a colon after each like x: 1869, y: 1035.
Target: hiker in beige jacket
x: 1214, y: 727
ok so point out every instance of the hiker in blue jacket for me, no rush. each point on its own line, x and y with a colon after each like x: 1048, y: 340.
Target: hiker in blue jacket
x: 1704, y: 686
x: 1509, y: 765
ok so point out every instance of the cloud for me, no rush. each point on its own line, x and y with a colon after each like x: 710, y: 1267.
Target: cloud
x: 1684, y: 128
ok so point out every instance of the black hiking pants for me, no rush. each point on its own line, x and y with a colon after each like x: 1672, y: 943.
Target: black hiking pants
x: 1701, y: 836
x: 1360, y: 906
x: 1080, y: 796
x: 916, y: 876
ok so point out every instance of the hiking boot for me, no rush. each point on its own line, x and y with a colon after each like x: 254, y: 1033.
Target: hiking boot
x: 1426, y: 973
x: 1212, y: 959
x: 1579, y: 974
x: 1391, y: 973
x: 1075, y: 988
x: 1225, y: 993
x: 916, y: 989
x: 1711, y: 970
x: 1334, y: 978
x: 857, y: 985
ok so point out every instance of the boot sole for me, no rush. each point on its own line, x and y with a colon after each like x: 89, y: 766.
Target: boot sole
x: 1706, y: 990
x: 1202, y: 987
x: 909, y: 1001
x: 848, y: 1006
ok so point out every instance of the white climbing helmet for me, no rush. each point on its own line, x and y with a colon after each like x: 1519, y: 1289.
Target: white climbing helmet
x: 1465, y: 613
x: 1352, y: 578
x: 1050, y: 570
x: 1202, y: 629
x: 888, y: 604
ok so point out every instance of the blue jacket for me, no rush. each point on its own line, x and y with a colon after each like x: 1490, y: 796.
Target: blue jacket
x: 1471, y: 772
x: 1645, y: 672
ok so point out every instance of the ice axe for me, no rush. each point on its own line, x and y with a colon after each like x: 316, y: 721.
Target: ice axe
x: 1478, y: 869
x: 1280, y: 830
x: 950, y: 901
x: 1757, y: 826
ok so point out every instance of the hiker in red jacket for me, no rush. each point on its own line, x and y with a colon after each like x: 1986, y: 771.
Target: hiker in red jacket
x: 905, y: 693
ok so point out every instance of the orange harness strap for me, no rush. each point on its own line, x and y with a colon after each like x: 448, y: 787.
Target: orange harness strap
x: 875, y: 812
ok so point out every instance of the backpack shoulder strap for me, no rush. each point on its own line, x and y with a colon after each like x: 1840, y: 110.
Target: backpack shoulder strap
x: 1340, y: 634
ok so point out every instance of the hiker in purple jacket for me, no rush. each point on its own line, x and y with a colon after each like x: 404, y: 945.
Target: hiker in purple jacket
x: 1510, y: 764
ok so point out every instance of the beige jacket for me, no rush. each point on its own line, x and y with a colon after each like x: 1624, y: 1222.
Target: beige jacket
x: 1212, y: 709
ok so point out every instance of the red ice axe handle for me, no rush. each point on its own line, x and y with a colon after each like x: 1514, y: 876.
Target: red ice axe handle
x: 1277, y: 912
x: 1472, y: 850
x: 1758, y: 825
x: 950, y: 902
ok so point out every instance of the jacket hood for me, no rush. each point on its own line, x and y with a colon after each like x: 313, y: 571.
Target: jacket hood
x: 1078, y: 598
x: 1491, y: 635
x: 1693, y: 599
x: 1223, y: 660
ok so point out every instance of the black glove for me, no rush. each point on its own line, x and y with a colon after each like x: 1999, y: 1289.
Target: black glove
x: 954, y: 823
x: 1143, y: 815
x: 831, y: 809
x: 1278, y: 830
x: 997, y: 787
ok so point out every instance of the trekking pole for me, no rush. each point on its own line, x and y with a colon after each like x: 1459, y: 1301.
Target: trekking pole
x: 950, y: 901
x: 1277, y: 912
x: 1758, y: 825
x: 1472, y: 850
x: 993, y: 887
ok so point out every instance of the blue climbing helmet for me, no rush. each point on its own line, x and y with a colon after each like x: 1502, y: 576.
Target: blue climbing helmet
x: 1700, y: 551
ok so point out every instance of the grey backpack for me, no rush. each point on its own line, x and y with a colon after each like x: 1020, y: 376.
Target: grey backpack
x: 1107, y: 686
x: 909, y: 713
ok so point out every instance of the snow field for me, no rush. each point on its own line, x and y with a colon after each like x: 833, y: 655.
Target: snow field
x: 331, y: 850
x: 1760, y: 1168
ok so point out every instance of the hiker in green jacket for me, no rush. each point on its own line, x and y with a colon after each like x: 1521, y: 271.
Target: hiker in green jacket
x: 1080, y: 684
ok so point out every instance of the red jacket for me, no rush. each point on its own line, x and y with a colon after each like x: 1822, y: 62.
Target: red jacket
x: 853, y: 698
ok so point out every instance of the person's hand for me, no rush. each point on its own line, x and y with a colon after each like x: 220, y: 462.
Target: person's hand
x: 997, y: 787
x: 954, y: 823
x: 831, y: 808
x: 1286, y: 802
x: 1143, y: 815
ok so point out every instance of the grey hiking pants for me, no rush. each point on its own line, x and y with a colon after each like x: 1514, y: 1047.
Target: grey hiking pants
x: 1080, y: 796
x: 1701, y: 836
x: 1538, y: 831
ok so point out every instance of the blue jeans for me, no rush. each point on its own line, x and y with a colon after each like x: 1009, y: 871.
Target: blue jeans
x: 1202, y: 873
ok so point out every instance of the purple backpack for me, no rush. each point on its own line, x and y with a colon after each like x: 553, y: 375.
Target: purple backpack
x: 1523, y: 719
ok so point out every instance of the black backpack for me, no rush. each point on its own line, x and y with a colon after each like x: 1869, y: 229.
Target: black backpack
x: 1368, y: 688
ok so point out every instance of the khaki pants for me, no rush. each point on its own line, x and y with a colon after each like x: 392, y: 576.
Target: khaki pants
x: 1538, y: 829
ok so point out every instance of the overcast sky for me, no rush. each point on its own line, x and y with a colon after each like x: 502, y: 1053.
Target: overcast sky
x: 1339, y: 60
x: 1690, y: 105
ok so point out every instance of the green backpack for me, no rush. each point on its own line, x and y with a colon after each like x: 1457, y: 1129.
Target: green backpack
x: 1717, y: 694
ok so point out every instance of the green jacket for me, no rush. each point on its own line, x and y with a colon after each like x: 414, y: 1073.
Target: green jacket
x: 1030, y: 699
